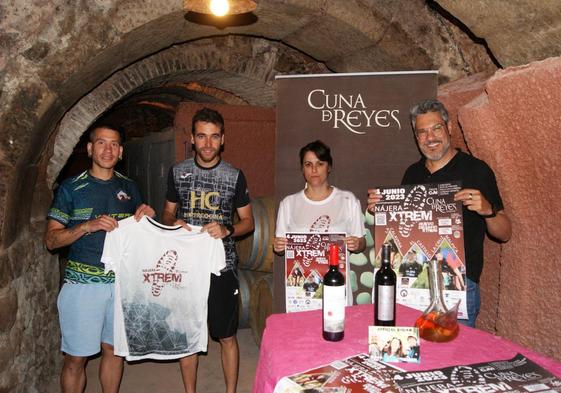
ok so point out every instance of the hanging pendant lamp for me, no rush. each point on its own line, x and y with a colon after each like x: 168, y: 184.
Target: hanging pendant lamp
x: 220, y: 7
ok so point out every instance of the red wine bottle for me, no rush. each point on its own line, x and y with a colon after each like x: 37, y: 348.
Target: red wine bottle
x: 384, y: 291
x: 333, y: 299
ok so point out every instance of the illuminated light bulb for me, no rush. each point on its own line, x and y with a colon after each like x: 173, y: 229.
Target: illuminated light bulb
x: 219, y: 7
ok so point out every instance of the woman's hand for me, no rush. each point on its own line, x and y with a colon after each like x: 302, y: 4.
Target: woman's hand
x: 355, y: 244
x: 279, y: 244
x: 374, y: 197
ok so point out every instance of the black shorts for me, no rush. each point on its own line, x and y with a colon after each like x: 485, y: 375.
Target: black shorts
x: 223, y: 305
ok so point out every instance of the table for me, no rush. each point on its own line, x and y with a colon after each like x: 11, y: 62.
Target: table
x: 293, y: 343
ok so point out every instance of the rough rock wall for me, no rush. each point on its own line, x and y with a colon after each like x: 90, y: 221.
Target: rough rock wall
x: 514, y: 126
x: 455, y: 95
x: 517, y: 32
x: 29, y: 338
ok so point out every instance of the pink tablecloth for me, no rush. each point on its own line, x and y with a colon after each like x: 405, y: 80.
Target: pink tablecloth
x: 293, y: 343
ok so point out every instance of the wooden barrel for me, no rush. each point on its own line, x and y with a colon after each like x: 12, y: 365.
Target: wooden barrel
x: 247, y: 279
x: 255, y: 251
x: 261, y: 305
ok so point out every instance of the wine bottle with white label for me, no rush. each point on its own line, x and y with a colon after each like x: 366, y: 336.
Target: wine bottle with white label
x: 384, y: 291
x: 333, y: 299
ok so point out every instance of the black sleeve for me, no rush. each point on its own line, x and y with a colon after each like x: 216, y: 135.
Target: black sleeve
x: 489, y: 187
x: 241, y: 198
x: 171, y: 193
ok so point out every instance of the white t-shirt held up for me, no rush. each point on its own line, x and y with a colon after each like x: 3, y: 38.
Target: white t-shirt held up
x: 162, y: 281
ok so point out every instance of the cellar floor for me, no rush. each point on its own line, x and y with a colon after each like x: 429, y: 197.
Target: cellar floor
x: 165, y: 377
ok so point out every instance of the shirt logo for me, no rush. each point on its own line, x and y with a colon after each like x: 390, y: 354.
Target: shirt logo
x: 205, y: 200
x: 165, y: 272
x: 321, y: 224
x: 185, y: 175
x: 123, y: 196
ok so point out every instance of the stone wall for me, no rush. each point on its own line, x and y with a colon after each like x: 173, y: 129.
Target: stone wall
x: 456, y: 95
x: 29, y: 335
x: 514, y: 126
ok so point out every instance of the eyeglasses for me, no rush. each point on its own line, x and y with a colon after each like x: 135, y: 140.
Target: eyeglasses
x: 437, y: 129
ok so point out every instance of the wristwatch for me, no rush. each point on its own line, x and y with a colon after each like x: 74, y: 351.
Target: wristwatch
x: 230, y: 229
x: 492, y: 214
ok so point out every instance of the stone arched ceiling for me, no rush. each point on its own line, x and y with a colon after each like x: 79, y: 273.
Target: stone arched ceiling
x: 240, y: 64
x: 58, y: 51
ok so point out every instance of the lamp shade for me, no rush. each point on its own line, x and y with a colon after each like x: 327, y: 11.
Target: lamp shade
x: 235, y: 6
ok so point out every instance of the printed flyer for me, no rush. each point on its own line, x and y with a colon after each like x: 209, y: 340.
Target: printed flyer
x: 307, y: 260
x: 356, y: 374
x: 394, y: 344
x: 518, y: 374
x: 422, y: 222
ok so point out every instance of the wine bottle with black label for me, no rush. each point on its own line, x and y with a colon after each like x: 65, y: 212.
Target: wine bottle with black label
x: 384, y: 291
x: 333, y: 299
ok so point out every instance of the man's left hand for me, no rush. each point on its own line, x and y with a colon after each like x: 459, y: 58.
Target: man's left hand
x: 474, y: 200
x: 216, y: 230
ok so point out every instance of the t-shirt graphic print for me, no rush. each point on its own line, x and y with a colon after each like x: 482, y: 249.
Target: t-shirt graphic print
x: 162, y: 280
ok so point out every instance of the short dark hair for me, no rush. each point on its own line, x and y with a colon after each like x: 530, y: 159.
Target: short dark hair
x: 320, y: 149
x: 118, y: 129
x: 208, y: 115
x: 426, y: 106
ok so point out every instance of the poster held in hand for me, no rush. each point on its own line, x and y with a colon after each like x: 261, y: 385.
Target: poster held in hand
x: 422, y: 222
x: 306, y: 262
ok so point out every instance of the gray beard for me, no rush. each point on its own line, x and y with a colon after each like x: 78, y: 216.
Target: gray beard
x: 437, y: 157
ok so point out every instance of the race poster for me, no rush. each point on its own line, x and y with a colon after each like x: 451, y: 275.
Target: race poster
x: 422, y: 222
x: 518, y: 374
x: 306, y: 262
x: 356, y: 374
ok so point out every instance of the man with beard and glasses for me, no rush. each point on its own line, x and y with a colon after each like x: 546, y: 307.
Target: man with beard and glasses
x: 206, y: 191
x: 482, y: 203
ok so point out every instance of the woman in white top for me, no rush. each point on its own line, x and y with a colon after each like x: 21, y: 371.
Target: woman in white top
x: 319, y: 207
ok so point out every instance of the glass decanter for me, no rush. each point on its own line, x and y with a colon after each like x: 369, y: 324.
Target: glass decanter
x: 437, y: 323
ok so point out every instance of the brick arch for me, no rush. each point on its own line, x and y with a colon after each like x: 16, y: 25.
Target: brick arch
x: 223, y: 65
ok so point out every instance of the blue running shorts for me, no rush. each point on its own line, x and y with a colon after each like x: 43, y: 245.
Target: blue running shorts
x: 86, y: 317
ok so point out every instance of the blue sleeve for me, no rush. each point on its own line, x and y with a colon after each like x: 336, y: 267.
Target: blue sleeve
x: 61, y: 208
x: 136, y: 196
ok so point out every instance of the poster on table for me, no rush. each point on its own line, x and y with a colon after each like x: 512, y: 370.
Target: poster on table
x: 422, y: 222
x: 356, y: 374
x: 518, y: 374
x: 306, y: 262
x: 364, y: 118
x: 394, y: 344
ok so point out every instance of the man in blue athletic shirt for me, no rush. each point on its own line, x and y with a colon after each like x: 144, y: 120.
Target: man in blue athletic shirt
x: 85, y: 207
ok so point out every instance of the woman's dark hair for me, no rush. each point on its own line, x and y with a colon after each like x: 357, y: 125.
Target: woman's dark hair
x: 320, y: 149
